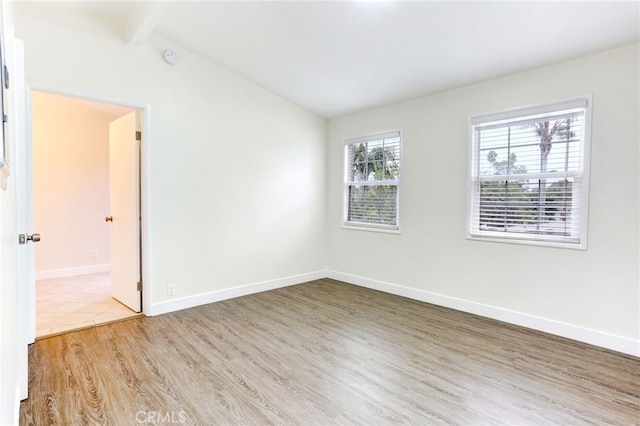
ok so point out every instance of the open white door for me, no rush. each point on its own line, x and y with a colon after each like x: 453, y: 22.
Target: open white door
x: 25, y: 255
x: 124, y: 217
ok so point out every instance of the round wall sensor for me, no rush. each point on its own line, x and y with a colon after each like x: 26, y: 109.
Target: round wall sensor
x: 171, y: 57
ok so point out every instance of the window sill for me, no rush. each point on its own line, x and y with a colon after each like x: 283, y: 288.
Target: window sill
x: 529, y: 242
x: 370, y: 228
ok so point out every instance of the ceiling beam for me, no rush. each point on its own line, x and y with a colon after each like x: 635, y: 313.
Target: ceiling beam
x: 143, y: 19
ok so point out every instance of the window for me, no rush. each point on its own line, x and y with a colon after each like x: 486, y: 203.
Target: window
x: 528, y: 175
x: 372, y: 178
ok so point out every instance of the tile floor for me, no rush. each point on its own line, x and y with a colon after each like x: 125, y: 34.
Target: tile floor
x: 69, y: 303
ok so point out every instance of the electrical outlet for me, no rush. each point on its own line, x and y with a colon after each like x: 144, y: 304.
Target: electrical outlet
x: 94, y: 254
x: 171, y: 289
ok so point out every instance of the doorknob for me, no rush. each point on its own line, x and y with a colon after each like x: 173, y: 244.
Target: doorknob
x: 108, y: 219
x: 25, y: 238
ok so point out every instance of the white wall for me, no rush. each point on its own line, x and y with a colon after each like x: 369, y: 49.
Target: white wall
x: 236, y: 174
x: 71, y: 184
x: 596, y: 290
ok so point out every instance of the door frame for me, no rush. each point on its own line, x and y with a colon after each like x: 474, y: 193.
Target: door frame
x: 143, y: 173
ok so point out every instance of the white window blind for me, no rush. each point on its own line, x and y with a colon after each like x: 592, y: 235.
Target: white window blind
x: 372, y: 178
x: 527, y: 174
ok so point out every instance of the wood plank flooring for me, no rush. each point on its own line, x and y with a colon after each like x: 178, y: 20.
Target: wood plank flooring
x: 321, y: 353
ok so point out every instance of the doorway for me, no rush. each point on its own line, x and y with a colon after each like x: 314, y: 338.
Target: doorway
x: 72, y: 166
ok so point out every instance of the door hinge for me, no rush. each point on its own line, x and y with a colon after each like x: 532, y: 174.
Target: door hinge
x: 139, y: 287
x: 138, y: 136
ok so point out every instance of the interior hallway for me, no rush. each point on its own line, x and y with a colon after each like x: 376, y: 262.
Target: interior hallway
x: 71, y: 303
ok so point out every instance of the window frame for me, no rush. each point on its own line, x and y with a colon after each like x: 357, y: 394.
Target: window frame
x: 473, y: 231
x: 347, y: 184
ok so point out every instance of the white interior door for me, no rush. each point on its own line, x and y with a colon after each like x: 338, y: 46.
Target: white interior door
x: 25, y: 255
x: 124, y: 215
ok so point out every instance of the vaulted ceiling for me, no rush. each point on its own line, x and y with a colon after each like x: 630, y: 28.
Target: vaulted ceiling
x: 338, y: 57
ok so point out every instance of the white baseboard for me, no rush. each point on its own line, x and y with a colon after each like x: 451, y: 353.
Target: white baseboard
x: 72, y: 272
x: 594, y: 337
x: 219, y: 295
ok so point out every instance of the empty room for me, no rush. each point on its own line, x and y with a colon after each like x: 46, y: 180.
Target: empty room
x: 325, y: 212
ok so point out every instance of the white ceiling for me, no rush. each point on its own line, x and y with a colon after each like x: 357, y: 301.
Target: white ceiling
x: 338, y: 57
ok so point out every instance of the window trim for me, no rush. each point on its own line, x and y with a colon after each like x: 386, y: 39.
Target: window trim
x: 363, y: 226
x: 473, y: 180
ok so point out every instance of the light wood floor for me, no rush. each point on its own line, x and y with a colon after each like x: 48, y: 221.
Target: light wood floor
x: 325, y: 353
